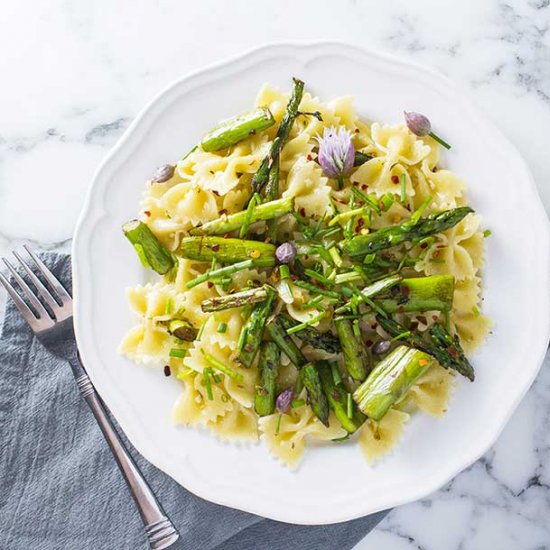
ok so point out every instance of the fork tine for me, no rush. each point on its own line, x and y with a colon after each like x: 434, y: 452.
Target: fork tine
x: 42, y: 290
x: 62, y: 294
x: 35, y: 302
x: 20, y: 304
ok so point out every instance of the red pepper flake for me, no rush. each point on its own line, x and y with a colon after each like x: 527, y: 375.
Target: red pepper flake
x: 435, y: 317
x: 405, y: 290
x: 147, y: 213
x: 238, y: 174
x: 215, y: 247
x: 452, y: 352
x: 309, y: 157
x: 364, y: 186
x: 226, y: 236
x: 422, y: 319
x: 167, y: 371
x: 223, y: 211
x: 355, y: 183
x: 368, y: 343
x: 294, y: 277
x: 395, y: 179
x: 361, y: 222
x: 216, y: 192
x: 400, y: 309
x: 382, y: 205
x: 424, y: 245
x: 210, y: 284
x: 373, y: 326
x: 414, y: 325
x: 303, y: 212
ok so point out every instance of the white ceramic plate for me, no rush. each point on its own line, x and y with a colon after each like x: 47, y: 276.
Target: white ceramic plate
x: 334, y: 483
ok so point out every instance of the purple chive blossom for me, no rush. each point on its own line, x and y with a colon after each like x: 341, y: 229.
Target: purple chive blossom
x: 285, y: 253
x: 418, y: 124
x: 336, y: 152
x: 284, y: 400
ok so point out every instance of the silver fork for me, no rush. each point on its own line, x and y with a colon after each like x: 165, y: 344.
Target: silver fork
x: 55, y: 330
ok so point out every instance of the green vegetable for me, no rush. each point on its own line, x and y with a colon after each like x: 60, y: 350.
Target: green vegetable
x: 317, y: 399
x: 434, y: 293
x: 226, y: 224
x: 361, y: 158
x: 268, y: 367
x: 390, y: 236
x: 272, y: 194
x: 337, y: 398
x: 390, y: 380
x: 218, y: 365
x: 233, y: 130
x: 238, y: 299
x: 309, y: 335
x: 451, y: 356
x: 151, y: 253
x: 261, y: 177
x: 219, y: 273
x: 254, y: 328
x: 356, y: 356
x: 227, y: 251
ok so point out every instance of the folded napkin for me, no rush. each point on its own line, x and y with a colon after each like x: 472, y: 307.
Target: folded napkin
x: 60, y: 486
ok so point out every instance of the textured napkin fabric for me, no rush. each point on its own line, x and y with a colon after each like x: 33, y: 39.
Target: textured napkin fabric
x: 61, y: 489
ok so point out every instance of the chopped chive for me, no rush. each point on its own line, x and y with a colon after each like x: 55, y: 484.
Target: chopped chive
x: 214, y: 363
x: 177, y: 352
x: 221, y: 272
x: 215, y: 377
x: 386, y: 201
x: 371, y: 304
x: 284, y: 271
x: 487, y: 233
x: 169, y: 306
x: 207, y: 383
x: 316, y: 301
x: 347, y: 277
x: 335, y: 255
x: 356, y: 329
x: 222, y: 327
x: 321, y: 278
x: 314, y: 319
x: 349, y: 408
x: 403, y: 188
x: 415, y: 218
x: 201, y: 330
x: 285, y: 291
x: 345, y: 216
x: 297, y: 403
x: 475, y: 311
x: 315, y: 290
x: 335, y: 374
x: 278, y: 424
x: 371, y: 203
x: 437, y: 261
x: 404, y: 334
x: 327, y: 233
x: 248, y: 215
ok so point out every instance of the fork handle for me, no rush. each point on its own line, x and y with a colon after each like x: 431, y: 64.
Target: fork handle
x: 160, y: 531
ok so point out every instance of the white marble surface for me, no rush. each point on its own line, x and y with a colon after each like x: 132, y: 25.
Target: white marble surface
x: 75, y: 73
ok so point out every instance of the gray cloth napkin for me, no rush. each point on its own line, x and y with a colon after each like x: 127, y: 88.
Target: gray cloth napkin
x: 60, y: 486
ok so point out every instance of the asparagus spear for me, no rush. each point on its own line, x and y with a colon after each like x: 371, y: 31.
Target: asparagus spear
x: 151, y: 253
x: 319, y: 340
x: 228, y: 251
x: 254, y: 328
x: 356, y: 356
x: 238, y: 299
x: 285, y: 343
x: 182, y: 329
x: 226, y: 224
x: 434, y: 293
x: 443, y: 339
x: 393, y: 235
x: 272, y: 193
x: 390, y: 380
x: 336, y: 396
x: 446, y: 357
x: 235, y: 129
x: 264, y: 402
x: 372, y: 290
x: 317, y: 399
x: 260, y: 178
x: 308, y: 373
